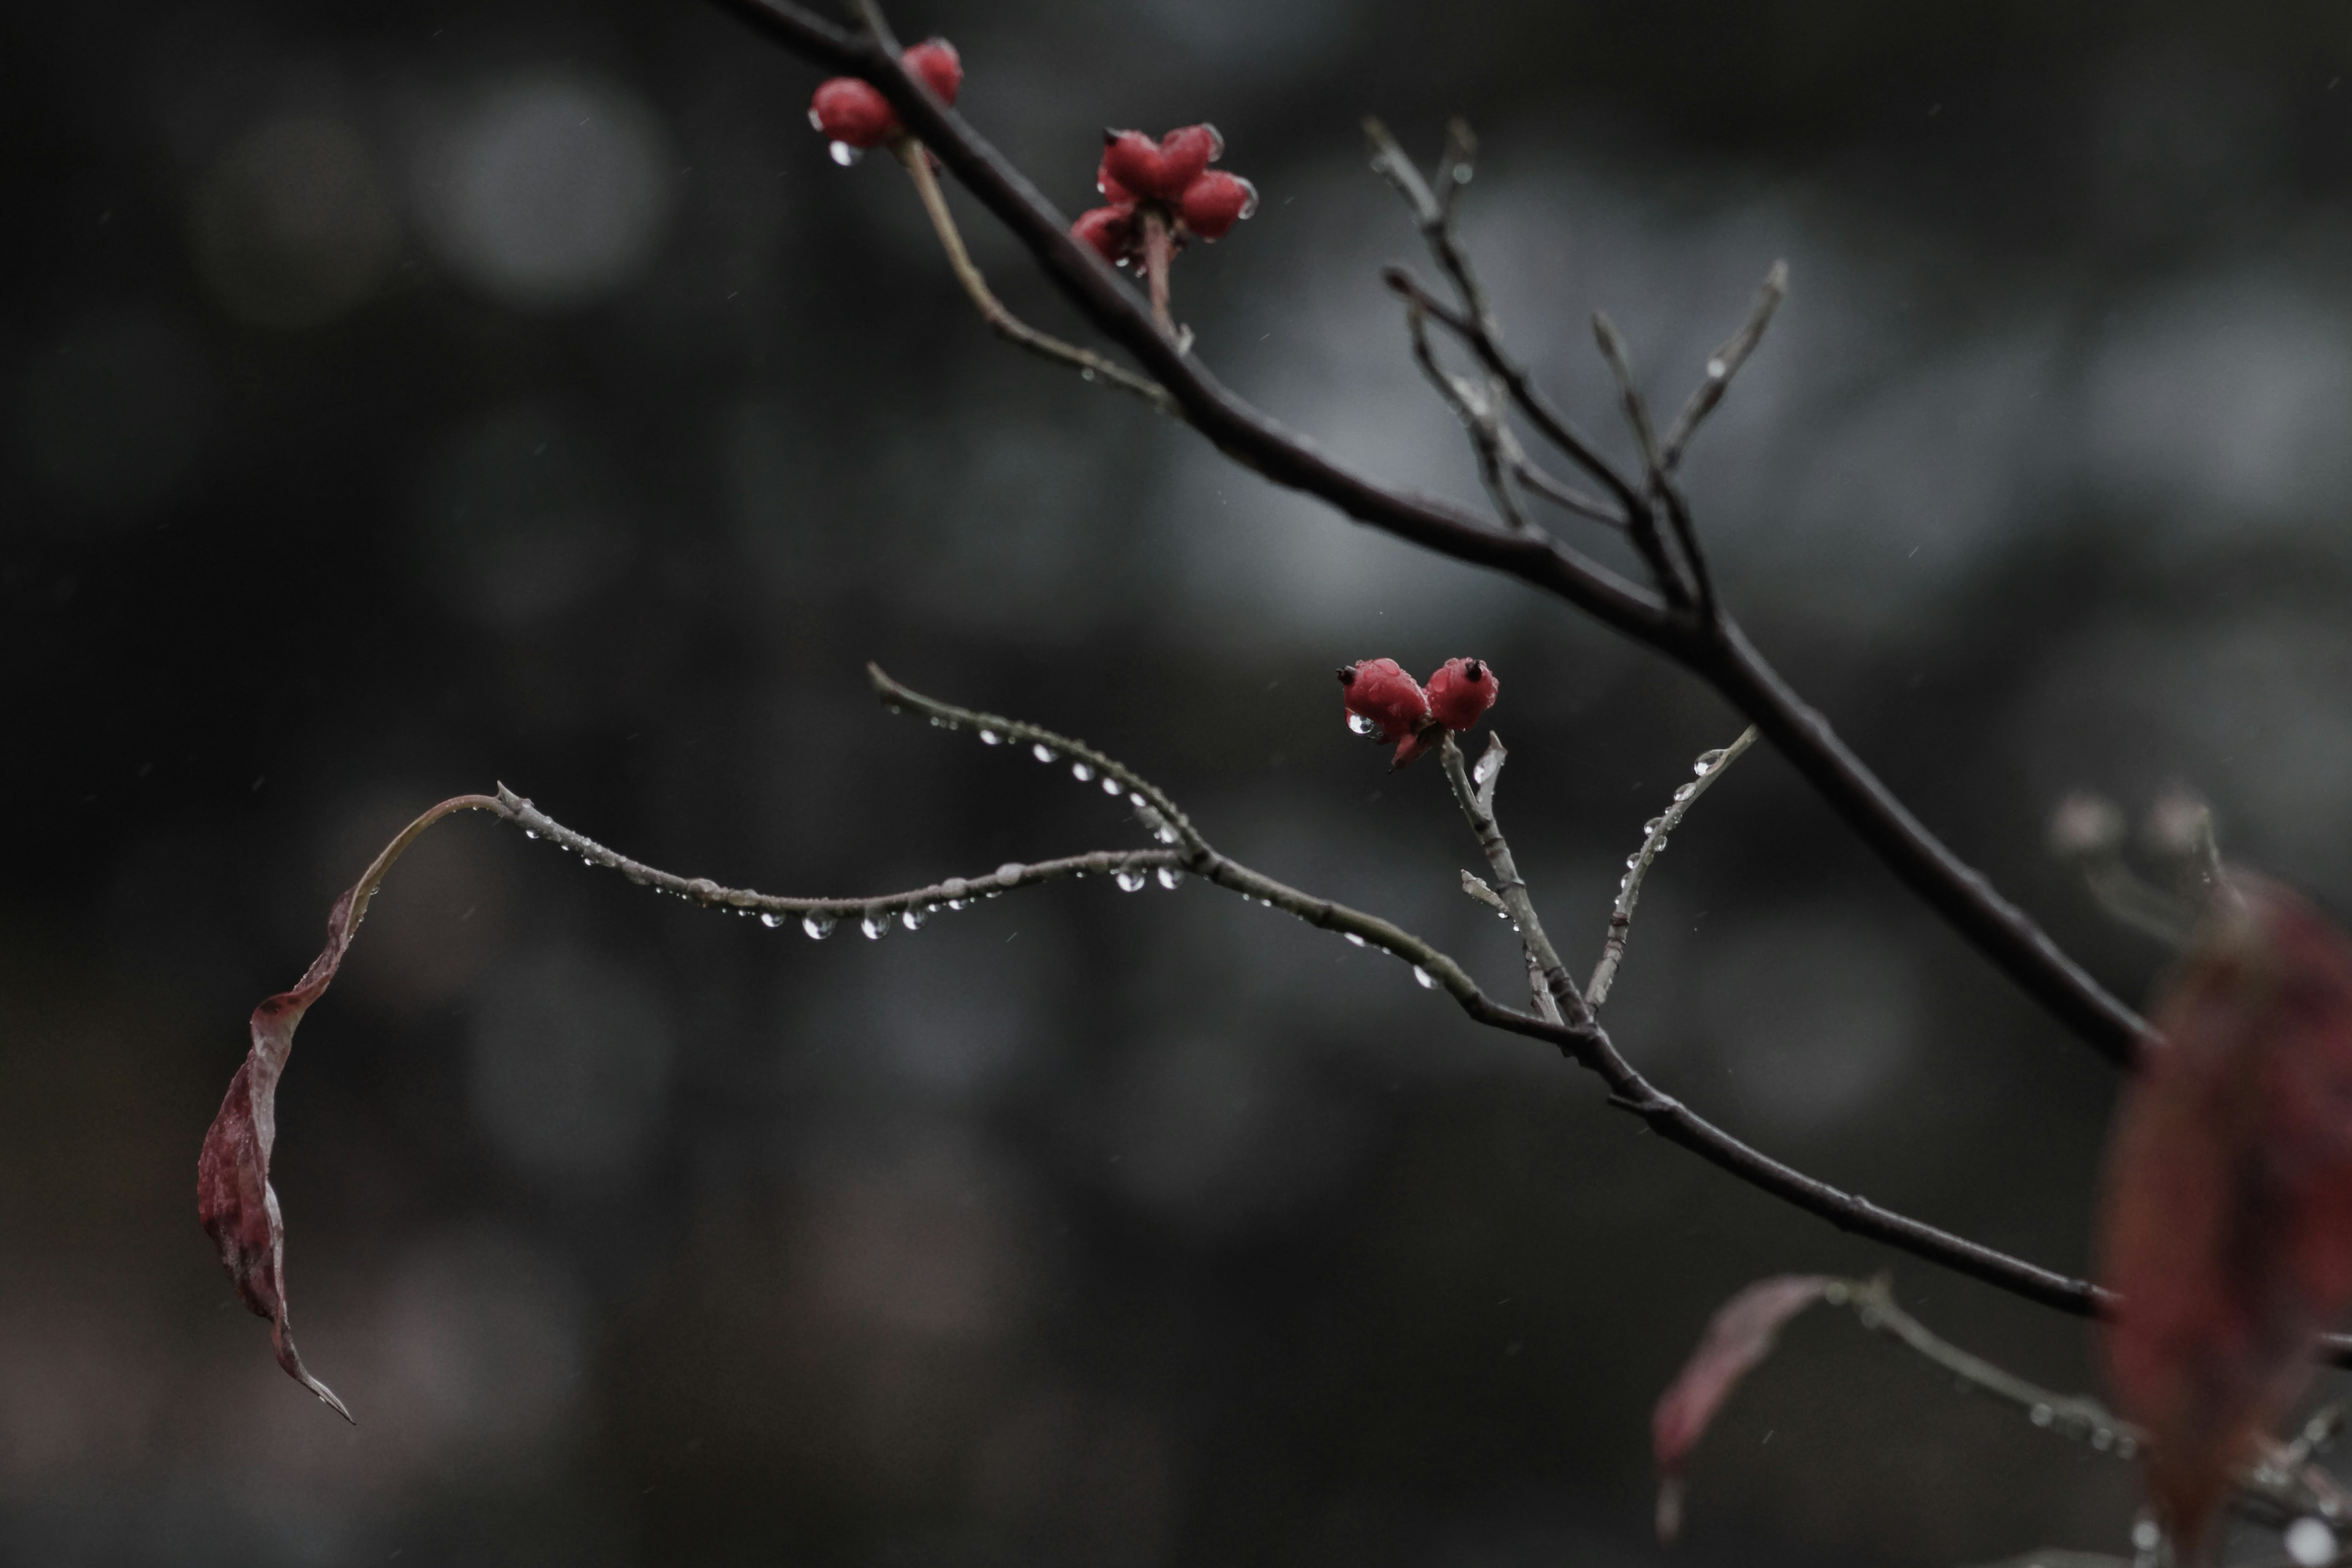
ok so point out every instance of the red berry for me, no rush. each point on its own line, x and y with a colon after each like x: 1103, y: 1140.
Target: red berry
x: 1215, y: 202
x: 853, y: 112
x: 1158, y: 172
x: 936, y: 61
x: 1111, y: 230
x: 1461, y: 692
x: 1382, y: 700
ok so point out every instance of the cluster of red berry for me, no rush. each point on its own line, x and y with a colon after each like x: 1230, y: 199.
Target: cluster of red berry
x: 1386, y: 704
x: 854, y: 114
x: 1140, y: 178
x: 1169, y: 178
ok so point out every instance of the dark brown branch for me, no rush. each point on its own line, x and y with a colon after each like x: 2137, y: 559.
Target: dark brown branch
x: 1719, y: 652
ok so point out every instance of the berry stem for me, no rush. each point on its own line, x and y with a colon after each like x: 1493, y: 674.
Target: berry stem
x: 917, y: 161
x: 1159, y: 250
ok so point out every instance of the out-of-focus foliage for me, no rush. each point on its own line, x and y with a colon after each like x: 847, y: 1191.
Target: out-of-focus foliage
x: 393, y: 400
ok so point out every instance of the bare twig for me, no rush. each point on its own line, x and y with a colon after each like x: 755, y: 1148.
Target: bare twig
x: 1689, y: 580
x: 1710, y: 766
x: 1477, y: 801
x: 1724, y: 364
x: 1490, y: 438
x: 999, y: 320
x: 1720, y: 653
x: 1476, y: 325
x: 1159, y: 251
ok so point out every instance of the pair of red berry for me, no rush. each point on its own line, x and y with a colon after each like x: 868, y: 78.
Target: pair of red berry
x: 1385, y: 703
x: 1170, y: 178
x: 853, y: 113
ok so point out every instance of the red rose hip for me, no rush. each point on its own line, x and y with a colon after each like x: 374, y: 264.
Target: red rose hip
x: 1461, y: 692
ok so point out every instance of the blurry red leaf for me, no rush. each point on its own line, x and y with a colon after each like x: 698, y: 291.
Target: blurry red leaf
x: 1741, y: 1334
x: 2228, y: 1225
x: 233, y: 1197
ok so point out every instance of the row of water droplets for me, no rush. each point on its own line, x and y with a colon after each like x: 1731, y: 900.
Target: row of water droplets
x: 1654, y: 839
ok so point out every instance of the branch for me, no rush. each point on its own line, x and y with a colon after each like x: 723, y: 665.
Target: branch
x: 993, y: 310
x: 1710, y: 766
x: 1718, y: 653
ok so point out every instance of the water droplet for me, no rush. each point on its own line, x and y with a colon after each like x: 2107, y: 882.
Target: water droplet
x: 1042, y: 751
x: 1635, y: 860
x: 1707, y: 761
x: 2310, y: 1543
x: 913, y: 919
x: 2103, y: 1439
x: 1110, y: 786
x: 1087, y: 374
x: 844, y: 154
x: 959, y: 903
x: 875, y: 924
x: 2146, y: 1536
x: 1658, y: 842
x: 771, y: 919
x: 2125, y: 1446
x: 818, y: 927
x: 2041, y: 1416
x: 1716, y: 370
x: 1128, y: 879
x: 1359, y: 725
x: 1423, y: 975
x: 529, y: 832
x: 1653, y: 826
x: 1685, y: 792
x: 1171, y: 878
x: 1484, y: 771
x: 1080, y: 772
x: 990, y: 738
x: 1355, y: 939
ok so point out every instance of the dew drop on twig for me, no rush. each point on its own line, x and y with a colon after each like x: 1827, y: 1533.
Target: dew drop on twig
x: 1171, y: 878
x: 1080, y: 772
x: 818, y: 927
x: 771, y: 919
x: 990, y: 738
x: 1110, y: 786
x: 1423, y: 975
x: 1128, y: 879
x: 913, y: 917
x: 1353, y: 938
x: 1042, y: 751
x: 844, y: 154
x: 875, y: 924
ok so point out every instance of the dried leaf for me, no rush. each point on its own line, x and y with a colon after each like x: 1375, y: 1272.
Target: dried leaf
x: 1741, y: 1335
x: 2227, y: 1230
x: 235, y: 1200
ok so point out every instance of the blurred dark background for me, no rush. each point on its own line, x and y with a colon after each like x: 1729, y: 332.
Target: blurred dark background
x: 398, y: 399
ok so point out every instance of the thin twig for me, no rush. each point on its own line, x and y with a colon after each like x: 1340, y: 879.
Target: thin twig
x: 1490, y: 439
x: 1710, y: 766
x: 1478, y: 805
x: 1159, y: 251
x: 1689, y: 580
x: 1002, y: 321
x: 1724, y: 364
x: 1434, y: 217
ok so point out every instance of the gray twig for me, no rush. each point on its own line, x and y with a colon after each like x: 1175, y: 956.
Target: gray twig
x: 1710, y: 767
x: 1724, y: 364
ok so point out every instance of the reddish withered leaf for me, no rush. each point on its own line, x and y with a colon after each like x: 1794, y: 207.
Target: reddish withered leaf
x: 233, y: 1197
x: 1741, y: 1334
x: 2227, y: 1229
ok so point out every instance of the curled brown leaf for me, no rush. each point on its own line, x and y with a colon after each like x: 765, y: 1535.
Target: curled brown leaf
x: 235, y: 1201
